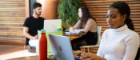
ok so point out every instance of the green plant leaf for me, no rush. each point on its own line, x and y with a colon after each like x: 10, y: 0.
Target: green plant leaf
x: 68, y: 12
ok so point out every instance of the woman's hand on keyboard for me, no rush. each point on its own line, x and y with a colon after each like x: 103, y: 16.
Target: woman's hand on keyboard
x: 77, y: 53
x: 91, y: 56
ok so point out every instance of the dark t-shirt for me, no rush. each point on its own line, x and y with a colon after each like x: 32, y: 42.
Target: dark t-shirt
x: 33, y: 24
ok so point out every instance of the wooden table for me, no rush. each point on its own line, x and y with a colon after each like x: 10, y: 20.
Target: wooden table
x: 28, y: 58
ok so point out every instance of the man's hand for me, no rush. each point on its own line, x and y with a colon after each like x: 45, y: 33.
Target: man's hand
x: 35, y: 37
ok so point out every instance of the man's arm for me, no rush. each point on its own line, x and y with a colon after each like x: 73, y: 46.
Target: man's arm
x: 26, y: 34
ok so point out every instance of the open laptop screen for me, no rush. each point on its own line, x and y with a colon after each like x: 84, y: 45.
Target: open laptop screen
x: 51, y: 25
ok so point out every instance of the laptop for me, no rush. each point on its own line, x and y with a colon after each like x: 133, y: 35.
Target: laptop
x: 61, y: 47
x: 51, y: 25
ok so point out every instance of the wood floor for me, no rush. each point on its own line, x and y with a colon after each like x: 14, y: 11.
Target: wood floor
x: 4, y: 49
x: 8, y: 52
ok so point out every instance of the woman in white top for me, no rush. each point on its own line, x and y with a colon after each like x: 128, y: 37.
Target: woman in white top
x: 119, y: 42
x: 88, y: 25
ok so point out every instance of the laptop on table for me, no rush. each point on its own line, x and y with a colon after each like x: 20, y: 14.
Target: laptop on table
x: 51, y: 25
x: 61, y: 47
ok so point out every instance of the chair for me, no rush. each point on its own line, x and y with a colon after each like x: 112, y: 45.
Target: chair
x: 98, y: 41
x: 49, y: 51
x: 31, y: 48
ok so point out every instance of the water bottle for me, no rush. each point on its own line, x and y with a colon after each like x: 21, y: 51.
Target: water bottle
x: 43, y: 46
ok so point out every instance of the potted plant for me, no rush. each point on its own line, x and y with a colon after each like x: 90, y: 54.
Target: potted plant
x: 68, y: 12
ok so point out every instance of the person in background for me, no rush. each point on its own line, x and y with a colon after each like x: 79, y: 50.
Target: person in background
x: 32, y: 24
x: 88, y: 26
x: 120, y: 42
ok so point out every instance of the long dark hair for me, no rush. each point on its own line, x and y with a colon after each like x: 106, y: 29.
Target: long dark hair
x: 85, y: 15
x: 124, y: 9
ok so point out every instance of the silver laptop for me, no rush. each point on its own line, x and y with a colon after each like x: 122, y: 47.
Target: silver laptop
x: 51, y: 25
x: 61, y: 47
